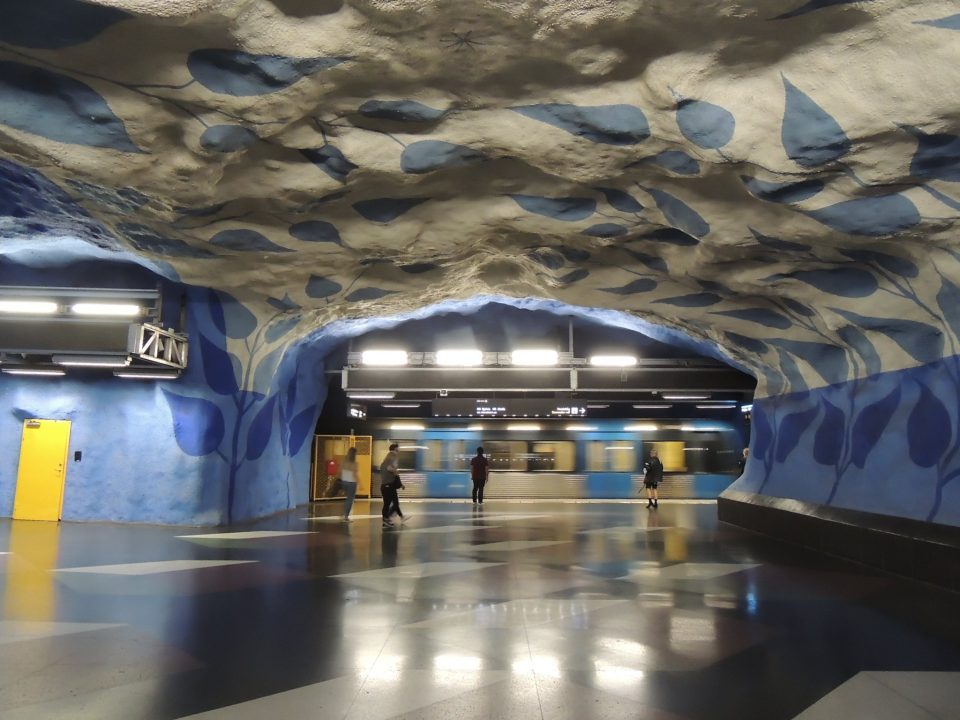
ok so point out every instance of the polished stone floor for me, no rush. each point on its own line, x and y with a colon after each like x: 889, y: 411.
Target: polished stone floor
x: 516, y: 610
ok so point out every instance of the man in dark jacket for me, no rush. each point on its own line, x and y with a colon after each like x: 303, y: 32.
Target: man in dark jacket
x: 652, y: 477
x: 479, y: 471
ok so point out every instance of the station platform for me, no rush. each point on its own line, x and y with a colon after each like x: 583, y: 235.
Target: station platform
x: 507, y: 610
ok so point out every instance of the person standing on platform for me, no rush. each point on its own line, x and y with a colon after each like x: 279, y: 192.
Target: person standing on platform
x: 389, y: 484
x: 348, y: 479
x: 742, y: 462
x: 479, y: 472
x: 652, y: 478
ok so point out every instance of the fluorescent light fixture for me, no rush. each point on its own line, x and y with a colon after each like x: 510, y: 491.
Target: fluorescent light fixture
x: 652, y: 406
x: 29, y: 371
x: 535, y: 357
x: 582, y: 428
x: 401, y: 405
x: 372, y: 396
x: 686, y: 397
x: 520, y: 427
x: 91, y: 360
x: 699, y: 428
x: 619, y: 447
x: 406, y: 426
x: 716, y: 406
x: 392, y: 358
x: 106, y: 309
x: 592, y: 406
x: 475, y: 426
x: 32, y: 307
x: 413, y: 447
x: 613, y: 361
x: 746, y: 408
x: 146, y: 375
x: 642, y: 427
x: 459, y: 358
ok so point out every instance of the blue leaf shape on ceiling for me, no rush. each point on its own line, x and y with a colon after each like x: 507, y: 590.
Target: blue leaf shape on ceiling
x: 873, y: 216
x: 40, y: 102
x: 792, y: 429
x: 672, y: 236
x: 694, y: 300
x: 865, y: 349
x: 573, y: 254
x: 238, y: 73
x: 792, y: 372
x: 778, y: 244
x: 679, y: 214
x: 606, y: 124
x: 809, y: 134
x: 948, y: 298
x: 218, y: 367
x: 237, y: 320
x: 640, y: 285
x: 321, y: 287
x: 785, y: 193
x: 267, y: 365
x: 55, y: 24
x: 797, y: 307
x: 574, y: 276
x: 813, y: 6
x: 316, y: 231
x: 201, y: 211
x: 384, y: 210
x: 215, y: 308
x: 418, y: 268
x: 828, y: 440
x: 283, y: 304
x: 761, y: 316
x: 548, y: 258
x: 747, y: 343
x: 429, y: 155
x: 828, y: 361
x: 260, y: 430
x: 124, y: 200
x: 705, y: 124
x: 675, y: 161
x: 329, y: 159
x: 605, y: 230
x: 408, y: 111
x: 568, y: 209
x: 654, y: 262
x: 244, y: 239
x: 301, y: 427
x: 618, y: 199
x: 951, y: 22
x: 937, y: 156
x: 227, y: 138
x: 870, y: 425
x: 712, y: 286
x: 928, y: 429
x: 922, y: 342
x: 290, y: 397
x: 280, y: 328
x: 840, y: 281
x: 368, y: 293
x: 149, y: 240
x: 761, y: 431
x: 198, y: 424
x: 891, y: 263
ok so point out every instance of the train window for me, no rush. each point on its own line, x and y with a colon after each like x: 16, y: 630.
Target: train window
x: 611, y: 456
x: 507, y: 454
x: 407, y: 452
x: 671, y: 453
x: 433, y: 458
x: 554, y: 456
x: 457, y: 456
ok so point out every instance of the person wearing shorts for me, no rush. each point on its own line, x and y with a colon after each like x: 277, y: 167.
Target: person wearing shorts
x: 652, y: 478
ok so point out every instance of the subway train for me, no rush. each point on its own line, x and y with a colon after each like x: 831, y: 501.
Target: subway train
x: 553, y: 459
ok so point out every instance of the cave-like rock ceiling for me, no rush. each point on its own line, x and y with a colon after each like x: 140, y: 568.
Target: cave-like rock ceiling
x: 776, y: 176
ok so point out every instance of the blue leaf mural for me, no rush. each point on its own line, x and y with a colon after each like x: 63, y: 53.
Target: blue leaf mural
x: 368, y: 293
x: 694, y: 300
x: 290, y: 398
x: 227, y: 138
x: 864, y: 348
x: 928, y: 429
x: 791, y: 371
x: 620, y: 200
x: 260, y: 430
x: 301, y: 427
x: 792, y: 429
x: 950, y: 22
x: 418, y: 268
x: 605, y: 230
x: 778, y: 244
x: 198, y: 424
x: 948, y: 298
x: 568, y: 209
x: 316, y: 231
x: 573, y: 254
x: 937, y: 156
x: 814, y: 5
x: 797, y: 307
x: 784, y: 193
x: 55, y: 24
x: 640, y: 285
x: 125, y: 200
x: 828, y: 361
x: 267, y: 365
x: 149, y: 240
x: 760, y: 316
x: 828, y: 440
x: 676, y: 161
x: 841, y: 281
x: 891, y: 263
x: 215, y: 307
x: 279, y: 328
x: 574, y: 276
x: 607, y: 124
x: 245, y: 240
x: 41, y: 102
x: 809, y: 134
x: 548, y: 258
x: 331, y: 160
x: 870, y: 425
x: 283, y: 304
x: 761, y: 432
x: 654, y: 262
x: 406, y: 111
x: 385, y: 210
x: 321, y: 287
x: 705, y: 124
x: 679, y: 214
x: 872, y: 216
x: 238, y: 321
x: 429, y: 155
x: 922, y: 342
x: 747, y: 343
x: 672, y: 236
x: 218, y: 367
x: 238, y: 73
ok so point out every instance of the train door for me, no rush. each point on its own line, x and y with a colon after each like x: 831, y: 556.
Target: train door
x: 328, y: 452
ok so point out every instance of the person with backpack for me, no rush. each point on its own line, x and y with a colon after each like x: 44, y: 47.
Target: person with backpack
x: 652, y: 478
x: 479, y: 472
x: 389, y: 484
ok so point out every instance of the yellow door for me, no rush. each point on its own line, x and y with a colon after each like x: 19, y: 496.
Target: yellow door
x: 43, y: 470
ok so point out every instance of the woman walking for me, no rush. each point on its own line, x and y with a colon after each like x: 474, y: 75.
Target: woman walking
x: 348, y: 479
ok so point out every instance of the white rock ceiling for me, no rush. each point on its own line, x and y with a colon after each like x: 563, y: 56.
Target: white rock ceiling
x: 777, y: 176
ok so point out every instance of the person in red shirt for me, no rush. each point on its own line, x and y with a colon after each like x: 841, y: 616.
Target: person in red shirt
x: 479, y: 471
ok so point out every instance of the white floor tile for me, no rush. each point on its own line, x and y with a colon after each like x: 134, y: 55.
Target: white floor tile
x: 517, y: 613
x: 151, y: 568
x: 442, y: 529
x: 863, y: 697
x: 936, y: 692
x: 122, y: 701
x: 622, y: 530
x: 247, y: 535
x: 329, y: 699
x: 339, y: 518
x: 481, y: 517
x: 416, y: 571
x: 17, y: 630
x: 510, y: 545
x: 688, y: 571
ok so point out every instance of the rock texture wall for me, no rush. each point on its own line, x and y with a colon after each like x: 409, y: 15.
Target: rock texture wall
x: 775, y: 179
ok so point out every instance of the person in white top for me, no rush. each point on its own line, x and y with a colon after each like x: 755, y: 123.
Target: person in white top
x: 348, y: 478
